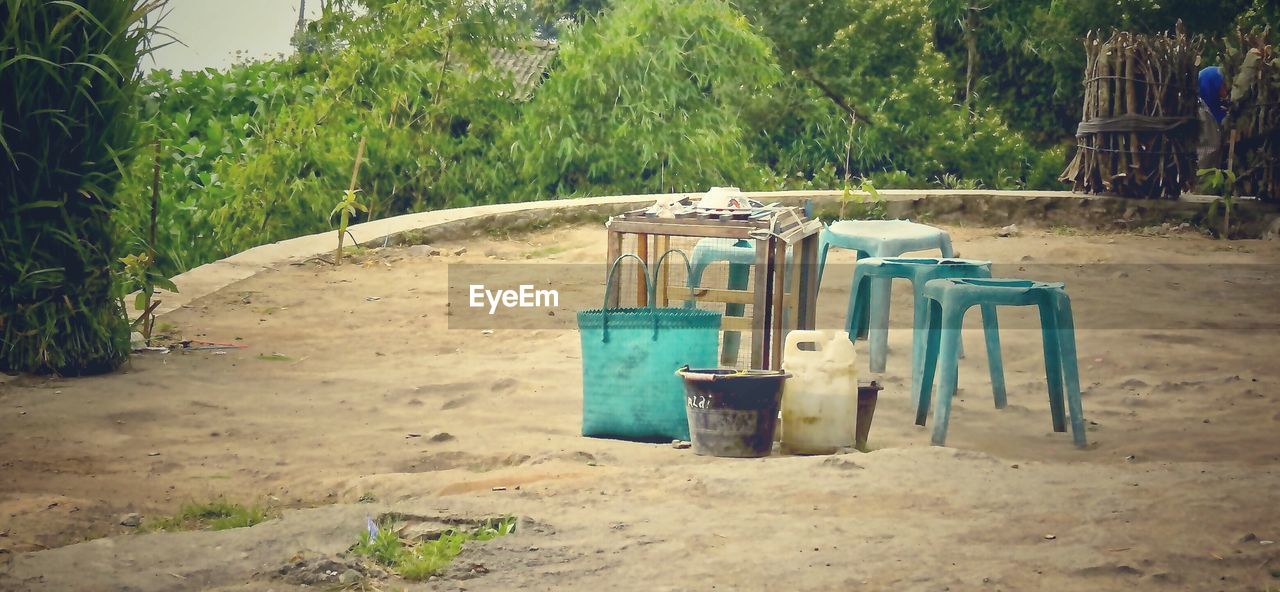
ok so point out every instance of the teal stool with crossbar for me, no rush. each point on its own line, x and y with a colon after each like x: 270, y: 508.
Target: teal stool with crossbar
x: 863, y: 309
x: 947, y: 301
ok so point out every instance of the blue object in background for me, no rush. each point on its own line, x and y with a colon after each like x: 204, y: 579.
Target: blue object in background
x: 1211, y: 91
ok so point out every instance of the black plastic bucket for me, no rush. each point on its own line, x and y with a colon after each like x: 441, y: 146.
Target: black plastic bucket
x: 732, y: 413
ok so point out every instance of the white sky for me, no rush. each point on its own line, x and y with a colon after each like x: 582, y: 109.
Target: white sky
x: 213, y: 30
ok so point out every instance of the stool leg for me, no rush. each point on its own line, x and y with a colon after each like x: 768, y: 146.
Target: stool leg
x: 855, y: 317
x: 929, y: 361
x: 1053, y: 363
x: 995, y: 361
x: 1070, y: 371
x: 695, y: 271
x: 739, y: 277
x: 919, y: 339
x: 948, y: 363
x: 944, y: 245
x: 823, y: 247
x: 878, y: 328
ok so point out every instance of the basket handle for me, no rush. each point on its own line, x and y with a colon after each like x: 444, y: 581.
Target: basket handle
x: 653, y: 281
x: 608, y: 289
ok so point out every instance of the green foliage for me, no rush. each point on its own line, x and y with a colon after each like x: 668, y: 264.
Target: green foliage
x: 66, y: 121
x: 861, y: 203
x: 214, y: 515
x: 646, y: 98
x: 419, y: 561
x: 141, y: 276
x: 1031, y: 55
x: 251, y: 153
x: 875, y: 58
x: 1221, y: 182
x: 207, y: 123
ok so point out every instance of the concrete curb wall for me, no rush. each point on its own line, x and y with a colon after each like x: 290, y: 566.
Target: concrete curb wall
x: 1046, y: 208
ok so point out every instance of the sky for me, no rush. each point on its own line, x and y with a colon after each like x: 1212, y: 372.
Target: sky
x: 213, y: 30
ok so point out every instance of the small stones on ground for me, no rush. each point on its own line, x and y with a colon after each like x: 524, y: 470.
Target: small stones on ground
x: 680, y: 444
x: 1266, y: 542
x: 423, y: 251
x: 413, y: 435
x: 350, y: 577
x: 1130, y: 458
x: 1008, y: 231
x: 460, y: 251
x: 132, y: 520
x: 487, y: 332
x: 372, y: 298
x: 1050, y: 537
x: 153, y: 453
x: 439, y: 436
x: 1249, y: 538
x: 500, y: 488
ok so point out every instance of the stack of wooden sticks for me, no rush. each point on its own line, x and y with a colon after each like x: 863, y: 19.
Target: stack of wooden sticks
x: 1137, y: 137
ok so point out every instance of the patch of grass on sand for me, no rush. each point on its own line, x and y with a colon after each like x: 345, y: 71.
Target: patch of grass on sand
x: 422, y: 559
x: 546, y: 251
x: 214, y: 515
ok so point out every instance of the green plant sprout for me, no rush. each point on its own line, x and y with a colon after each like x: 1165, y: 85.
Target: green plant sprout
x: 419, y: 561
x: 1221, y: 182
x: 868, y: 205
x: 345, y: 210
x: 348, y: 206
x: 140, y: 274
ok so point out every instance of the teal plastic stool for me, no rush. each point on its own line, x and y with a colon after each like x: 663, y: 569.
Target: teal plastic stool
x: 741, y: 255
x: 881, y: 238
x: 948, y: 299
x: 918, y: 271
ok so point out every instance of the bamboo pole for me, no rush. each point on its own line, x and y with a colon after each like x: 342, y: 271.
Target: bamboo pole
x: 355, y: 173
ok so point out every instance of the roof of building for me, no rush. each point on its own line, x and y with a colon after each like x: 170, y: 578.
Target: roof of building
x: 527, y: 64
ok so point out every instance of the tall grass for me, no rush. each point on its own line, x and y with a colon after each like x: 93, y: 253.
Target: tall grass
x: 68, y: 84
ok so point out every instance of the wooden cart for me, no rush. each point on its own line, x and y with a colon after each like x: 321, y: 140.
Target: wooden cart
x: 775, y: 308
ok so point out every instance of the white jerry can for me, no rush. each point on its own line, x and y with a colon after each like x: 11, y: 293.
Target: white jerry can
x: 820, y: 400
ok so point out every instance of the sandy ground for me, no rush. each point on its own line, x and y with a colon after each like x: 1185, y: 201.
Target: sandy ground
x: 378, y: 397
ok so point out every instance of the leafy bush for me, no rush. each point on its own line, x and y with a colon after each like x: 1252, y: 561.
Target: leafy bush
x: 262, y: 151
x: 66, y: 121
x: 875, y: 58
x: 646, y: 98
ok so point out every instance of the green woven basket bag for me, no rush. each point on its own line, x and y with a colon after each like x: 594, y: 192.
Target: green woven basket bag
x: 629, y: 357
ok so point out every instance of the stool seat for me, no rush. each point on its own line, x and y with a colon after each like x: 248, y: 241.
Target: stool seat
x: 863, y: 305
x: 906, y: 233
x: 948, y: 299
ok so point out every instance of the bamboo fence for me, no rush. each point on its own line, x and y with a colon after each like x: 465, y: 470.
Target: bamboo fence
x: 1253, y: 124
x: 1137, y: 136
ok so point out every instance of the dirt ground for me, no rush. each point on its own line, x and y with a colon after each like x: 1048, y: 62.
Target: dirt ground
x: 373, y: 396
